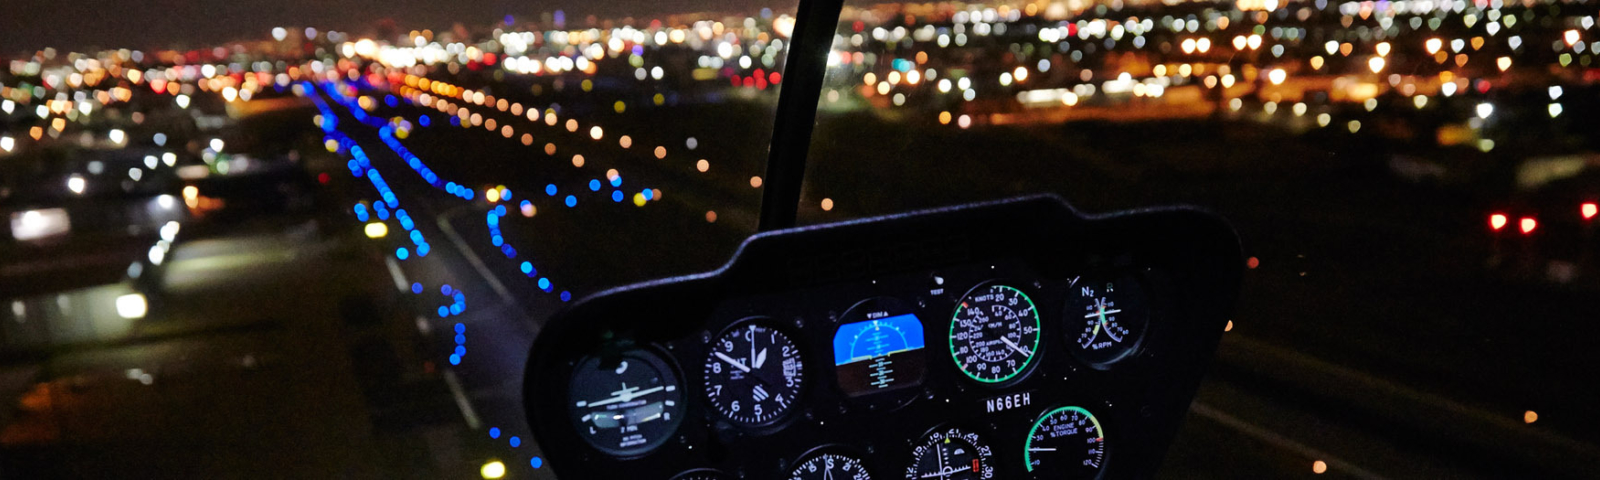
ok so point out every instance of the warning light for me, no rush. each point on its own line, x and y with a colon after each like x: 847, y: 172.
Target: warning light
x: 1497, y: 221
x: 1589, y: 210
x: 1528, y: 224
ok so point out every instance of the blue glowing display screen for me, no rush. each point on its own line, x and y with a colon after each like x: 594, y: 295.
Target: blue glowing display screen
x: 879, y: 355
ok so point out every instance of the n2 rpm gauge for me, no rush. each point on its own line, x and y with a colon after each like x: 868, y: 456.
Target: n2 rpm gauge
x: 1105, y: 320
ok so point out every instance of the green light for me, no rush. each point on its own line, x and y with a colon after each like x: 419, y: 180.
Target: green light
x: 1032, y: 349
x: 1027, y: 445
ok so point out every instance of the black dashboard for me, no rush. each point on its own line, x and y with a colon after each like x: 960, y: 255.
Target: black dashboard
x: 1014, y: 339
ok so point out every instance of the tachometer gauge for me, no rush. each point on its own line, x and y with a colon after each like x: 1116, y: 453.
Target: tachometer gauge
x: 829, y: 466
x: 625, y: 404
x: 1105, y: 320
x: 753, y: 373
x: 951, y: 454
x: 1066, y: 442
x: 994, y: 333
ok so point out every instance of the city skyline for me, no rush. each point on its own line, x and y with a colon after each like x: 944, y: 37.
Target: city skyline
x: 27, y: 26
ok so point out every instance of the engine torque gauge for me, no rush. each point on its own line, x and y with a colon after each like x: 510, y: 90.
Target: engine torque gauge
x: 951, y: 454
x: 1066, y: 442
x: 625, y: 404
x: 1105, y: 320
x: 753, y: 373
x: 994, y: 333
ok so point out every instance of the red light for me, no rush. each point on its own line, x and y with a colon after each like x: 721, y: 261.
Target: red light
x: 1589, y: 210
x: 1497, y: 221
x: 1528, y: 224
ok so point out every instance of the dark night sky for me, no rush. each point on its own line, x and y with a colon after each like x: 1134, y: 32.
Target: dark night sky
x: 28, y: 25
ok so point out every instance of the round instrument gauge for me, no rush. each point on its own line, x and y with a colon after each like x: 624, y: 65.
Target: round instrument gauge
x: 625, y: 404
x: 1105, y: 320
x: 878, y: 354
x: 951, y: 454
x: 829, y: 466
x: 702, y: 474
x: 753, y: 373
x: 1066, y: 442
x: 994, y: 333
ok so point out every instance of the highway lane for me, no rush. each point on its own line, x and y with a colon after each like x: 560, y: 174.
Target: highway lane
x: 504, y: 304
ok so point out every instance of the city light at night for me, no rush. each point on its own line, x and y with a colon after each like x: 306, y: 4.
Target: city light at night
x: 260, y: 235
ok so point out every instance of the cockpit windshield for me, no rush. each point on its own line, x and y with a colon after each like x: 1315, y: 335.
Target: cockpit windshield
x: 340, y: 239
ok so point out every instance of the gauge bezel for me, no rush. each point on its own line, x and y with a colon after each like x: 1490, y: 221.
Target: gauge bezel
x: 835, y: 448
x: 1106, y: 447
x: 800, y: 393
x: 893, y: 398
x: 922, y: 439
x: 1071, y: 306
x: 714, y: 473
x: 662, y: 359
x: 1033, y: 361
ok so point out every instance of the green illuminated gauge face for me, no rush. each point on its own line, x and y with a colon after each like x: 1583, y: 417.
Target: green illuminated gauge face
x: 994, y: 333
x: 1105, y: 320
x: 1066, y: 442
